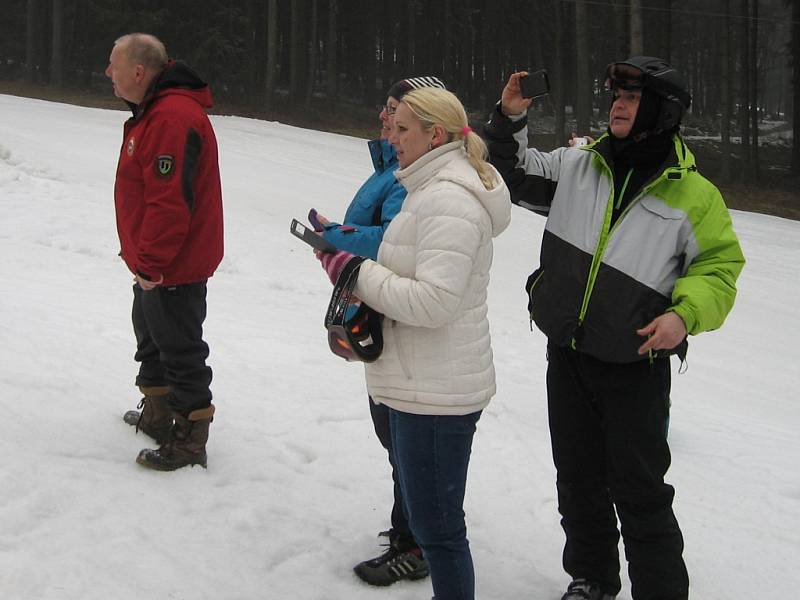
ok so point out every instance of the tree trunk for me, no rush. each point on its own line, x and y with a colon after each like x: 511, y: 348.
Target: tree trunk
x: 386, y: 43
x: 412, y: 56
x: 726, y: 95
x: 80, y: 45
x: 402, y: 42
x: 332, y: 52
x: 257, y: 51
x: 464, y: 81
x: 754, y: 89
x: 57, y: 60
x: 537, y: 45
x: 583, y: 104
x: 622, y: 26
x: 637, y: 39
x: 668, y: 28
x: 298, y: 60
x: 490, y: 68
x: 31, y: 42
x: 796, y: 87
x: 370, y: 68
x: 447, y: 32
x: 558, y: 81
x: 272, y: 52
x: 312, y: 53
x: 744, y: 92
x: 479, y: 57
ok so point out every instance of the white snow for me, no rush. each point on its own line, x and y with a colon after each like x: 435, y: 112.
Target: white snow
x: 297, y: 485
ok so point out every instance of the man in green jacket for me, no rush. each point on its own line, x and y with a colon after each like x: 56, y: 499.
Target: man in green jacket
x: 638, y: 252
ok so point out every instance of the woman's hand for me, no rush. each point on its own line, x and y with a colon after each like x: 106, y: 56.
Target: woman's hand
x: 334, y: 263
x: 318, y: 222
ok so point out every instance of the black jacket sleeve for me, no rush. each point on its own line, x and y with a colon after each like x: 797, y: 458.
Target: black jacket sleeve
x: 503, y: 138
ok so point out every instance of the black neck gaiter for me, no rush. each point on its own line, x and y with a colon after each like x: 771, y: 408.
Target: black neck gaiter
x: 637, y: 157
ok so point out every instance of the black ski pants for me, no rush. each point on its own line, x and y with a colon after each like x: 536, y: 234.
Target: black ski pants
x: 607, y: 427
x: 168, y: 323
x: 380, y: 420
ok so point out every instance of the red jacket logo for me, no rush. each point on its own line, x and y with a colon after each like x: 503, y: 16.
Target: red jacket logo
x: 164, y: 165
x: 131, y: 145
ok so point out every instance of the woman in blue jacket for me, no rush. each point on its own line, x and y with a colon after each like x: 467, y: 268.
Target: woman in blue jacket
x: 372, y: 209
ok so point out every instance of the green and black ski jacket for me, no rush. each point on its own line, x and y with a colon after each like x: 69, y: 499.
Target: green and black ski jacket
x: 673, y: 247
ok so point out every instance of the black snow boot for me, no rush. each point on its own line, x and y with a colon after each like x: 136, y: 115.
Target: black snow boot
x: 186, y: 443
x: 402, y: 560
x: 155, y: 418
x: 581, y: 589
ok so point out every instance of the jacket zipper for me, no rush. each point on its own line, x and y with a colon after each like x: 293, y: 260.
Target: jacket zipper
x: 598, y: 253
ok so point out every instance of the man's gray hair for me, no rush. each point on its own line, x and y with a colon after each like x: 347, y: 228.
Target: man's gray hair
x: 144, y: 49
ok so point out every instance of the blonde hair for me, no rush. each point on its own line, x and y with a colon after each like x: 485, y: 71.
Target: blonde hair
x: 433, y: 106
x: 144, y: 49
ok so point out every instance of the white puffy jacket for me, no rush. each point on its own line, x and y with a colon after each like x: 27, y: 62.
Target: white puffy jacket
x: 430, y: 283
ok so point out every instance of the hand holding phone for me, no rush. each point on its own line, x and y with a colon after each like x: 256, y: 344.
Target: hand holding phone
x: 309, y: 237
x: 318, y: 222
x: 535, y: 85
x: 577, y: 141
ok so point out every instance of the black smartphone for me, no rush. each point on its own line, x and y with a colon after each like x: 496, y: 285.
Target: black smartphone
x: 535, y: 85
x: 310, y: 237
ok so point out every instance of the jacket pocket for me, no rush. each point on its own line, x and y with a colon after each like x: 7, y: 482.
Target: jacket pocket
x: 534, y: 279
x: 660, y: 208
x: 401, y: 354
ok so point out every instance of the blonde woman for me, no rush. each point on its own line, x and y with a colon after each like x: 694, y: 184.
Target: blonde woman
x: 436, y: 373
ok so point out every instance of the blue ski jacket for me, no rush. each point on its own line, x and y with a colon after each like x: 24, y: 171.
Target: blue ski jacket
x: 374, y: 206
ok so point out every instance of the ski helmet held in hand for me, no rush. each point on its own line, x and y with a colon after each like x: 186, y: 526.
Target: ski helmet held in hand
x: 354, y: 329
x: 656, y: 75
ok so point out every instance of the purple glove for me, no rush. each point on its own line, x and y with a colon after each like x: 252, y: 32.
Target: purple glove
x: 334, y: 263
x: 315, y: 223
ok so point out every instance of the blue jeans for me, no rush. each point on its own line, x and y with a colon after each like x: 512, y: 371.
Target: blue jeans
x: 431, y: 453
x: 380, y: 419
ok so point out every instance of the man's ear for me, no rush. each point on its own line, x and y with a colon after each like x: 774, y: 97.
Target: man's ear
x: 140, y: 73
x: 439, y: 136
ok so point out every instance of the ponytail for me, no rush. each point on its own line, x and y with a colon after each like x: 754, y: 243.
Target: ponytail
x: 477, y: 153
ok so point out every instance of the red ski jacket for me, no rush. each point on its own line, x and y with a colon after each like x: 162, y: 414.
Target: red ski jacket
x: 167, y: 194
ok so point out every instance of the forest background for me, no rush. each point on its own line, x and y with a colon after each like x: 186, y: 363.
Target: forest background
x: 326, y: 64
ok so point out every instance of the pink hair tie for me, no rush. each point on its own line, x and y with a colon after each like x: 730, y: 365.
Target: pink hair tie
x: 466, y: 131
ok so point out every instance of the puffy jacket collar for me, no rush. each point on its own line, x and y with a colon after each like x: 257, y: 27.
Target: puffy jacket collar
x: 428, y: 165
x: 175, y: 78
x: 382, y: 153
x: 449, y: 163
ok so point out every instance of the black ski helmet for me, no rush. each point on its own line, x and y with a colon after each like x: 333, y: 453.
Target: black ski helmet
x: 355, y: 331
x: 657, y: 75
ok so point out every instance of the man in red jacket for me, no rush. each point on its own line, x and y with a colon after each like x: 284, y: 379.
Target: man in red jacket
x: 168, y: 202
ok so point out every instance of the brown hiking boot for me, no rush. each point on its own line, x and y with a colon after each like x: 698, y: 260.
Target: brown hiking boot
x: 186, y: 444
x: 155, y: 418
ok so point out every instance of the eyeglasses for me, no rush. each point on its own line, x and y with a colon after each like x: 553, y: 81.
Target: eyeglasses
x: 390, y: 110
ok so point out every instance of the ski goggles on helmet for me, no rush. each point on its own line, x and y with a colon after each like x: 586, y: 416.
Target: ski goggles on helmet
x: 354, y: 329
x: 653, y: 74
x: 623, y: 76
